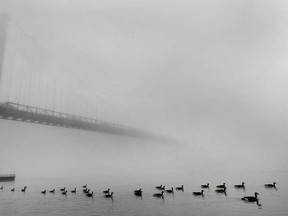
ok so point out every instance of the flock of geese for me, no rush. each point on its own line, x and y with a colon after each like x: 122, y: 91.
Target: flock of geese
x: 64, y: 191
x: 219, y: 189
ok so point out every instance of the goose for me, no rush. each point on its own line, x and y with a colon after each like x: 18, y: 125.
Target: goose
x: 63, y: 189
x: 52, y: 191
x: 199, y: 193
x: 43, y: 192
x: 106, y: 191
x: 222, y: 190
x: 13, y: 189
x: 86, y: 191
x: 109, y: 195
x: 1, y: 187
x: 73, y: 191
x: 163, y: 188
x: 158, y: 194
x: 24, y: 189
x: 251, y: 198
x: 170, y: 191
x: 221, y: 186
x: 64, y: 192
x: 270, y: 185
x: 180, y: 188
x: 159, y: 187
x: 84, y: 186
x: 240, y: 185
x: 138, y: 192
x: 205, y: 186
x: 89, y: 194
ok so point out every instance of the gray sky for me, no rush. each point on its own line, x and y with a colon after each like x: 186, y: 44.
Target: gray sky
x: 211, y: 73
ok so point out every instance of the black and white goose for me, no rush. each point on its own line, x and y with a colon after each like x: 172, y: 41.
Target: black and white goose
x: 89, y: 194
x: 270, y: 185
x: 64, y: 192
x: 63, y: 189
x: 221, y: 186
x: 43, y: 192
x: 242, y: 185
x: 180, y: 188
x: 86, y: 190
x: 159, y: 195
x: 13, y: 189
x: 205, y: 186
x: 73, y: 191
x: 251, y: 198
x: 106, y: 191
x: 138, y: 192
x: 109, y: 195
x: 52, y: 191
x: 158, y: 187
x: 221, y: 190
x: 199, y: 193
x: 170, y: 191
x: 24, y: 189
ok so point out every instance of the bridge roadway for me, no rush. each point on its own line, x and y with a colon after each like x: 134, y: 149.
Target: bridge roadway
x: 30, y: 114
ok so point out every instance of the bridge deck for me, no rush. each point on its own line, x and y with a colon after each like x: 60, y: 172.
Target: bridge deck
x: 24, y: 113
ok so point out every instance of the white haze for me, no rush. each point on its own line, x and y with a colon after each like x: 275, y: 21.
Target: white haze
x: 211, y: 74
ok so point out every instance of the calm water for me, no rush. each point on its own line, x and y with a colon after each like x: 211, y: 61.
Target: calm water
x: 32, y: 202
x: 124, y: 165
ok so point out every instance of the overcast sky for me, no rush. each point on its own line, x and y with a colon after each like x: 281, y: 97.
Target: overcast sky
x: 202, y: 71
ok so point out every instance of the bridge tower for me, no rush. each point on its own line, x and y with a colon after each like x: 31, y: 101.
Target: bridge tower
x: 4, y: 19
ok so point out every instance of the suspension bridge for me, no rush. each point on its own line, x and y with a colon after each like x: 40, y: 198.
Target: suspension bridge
x: 32, y: 92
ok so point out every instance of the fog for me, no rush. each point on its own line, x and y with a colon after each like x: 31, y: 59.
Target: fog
x: 212, y: 75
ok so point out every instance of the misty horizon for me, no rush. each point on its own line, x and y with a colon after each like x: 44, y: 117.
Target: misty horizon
x: 209, y: 74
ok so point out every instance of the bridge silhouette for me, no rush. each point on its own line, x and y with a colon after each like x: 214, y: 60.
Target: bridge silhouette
x: 28, y: 75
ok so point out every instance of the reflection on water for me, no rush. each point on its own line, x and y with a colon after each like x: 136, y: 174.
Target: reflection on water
x: 124, y: 202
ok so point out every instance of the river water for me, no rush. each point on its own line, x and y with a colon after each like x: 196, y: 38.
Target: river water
x: 33, y: 202
x: 48, y: 157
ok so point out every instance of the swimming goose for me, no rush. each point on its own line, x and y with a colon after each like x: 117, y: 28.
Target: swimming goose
x: 89, y: 194
x: 159, y: 187
x: 13, y: 189
x: 63, y: 189
x: 270, y: 185
x: 1, y: 188
x: 159, y: 194
x: 86, y: 190
x: 52, y: 191
x: 240, y: 185
x: 199, y: 193
x: 64, y: 192
x: 205, y: 186
x: 43, y: 192
x: 251, y: 198
x: 221, y: 186
x: 24, y: 189
x: 138, y: 192
x: 73, y: 191
x: 106, y: 191
x: 162, y: 188
x: 222, y: 190
x: 109, y: 195
x: 170, y: 191
x: 180, y: 188
x: 84, y: 186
